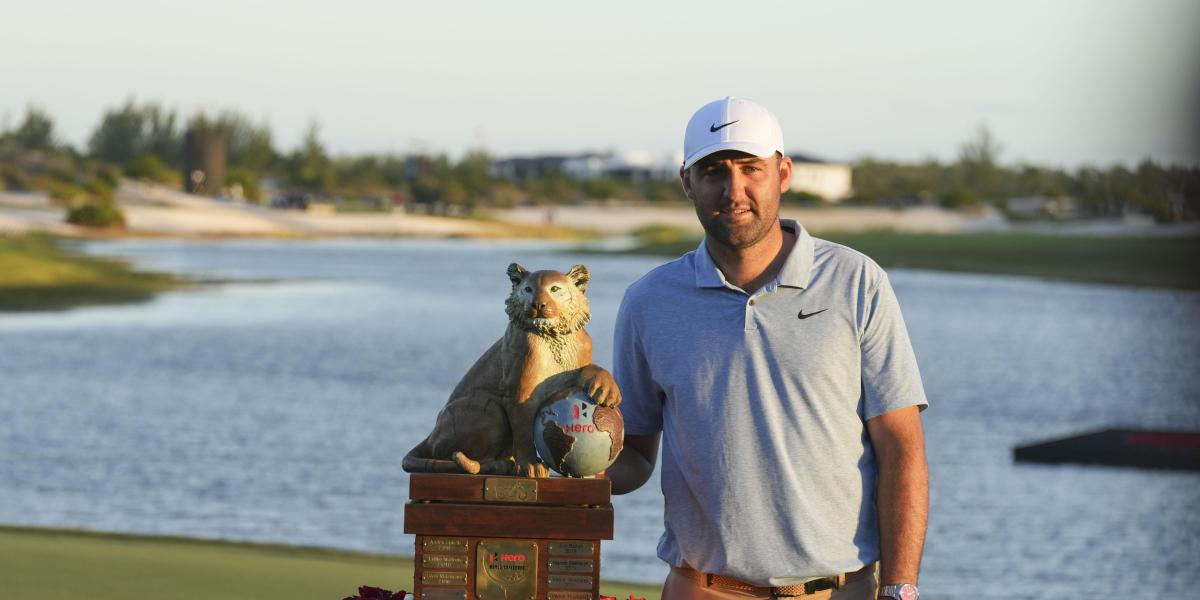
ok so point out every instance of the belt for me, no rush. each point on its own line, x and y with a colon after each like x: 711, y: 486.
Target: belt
x: 832, y: 582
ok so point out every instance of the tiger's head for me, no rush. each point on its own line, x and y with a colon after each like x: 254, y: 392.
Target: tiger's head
x: 548, y: 303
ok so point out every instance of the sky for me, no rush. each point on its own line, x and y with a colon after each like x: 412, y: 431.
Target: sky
x: 1058, y: 82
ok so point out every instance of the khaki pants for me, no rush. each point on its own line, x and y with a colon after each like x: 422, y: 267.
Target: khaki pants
x: 682, y: 587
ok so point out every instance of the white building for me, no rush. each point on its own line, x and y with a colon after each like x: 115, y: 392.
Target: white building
x: 830, y: 181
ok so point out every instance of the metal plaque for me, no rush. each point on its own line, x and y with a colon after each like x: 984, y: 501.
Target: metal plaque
x: 444, y: 545
x: 443, y: 578
x: 444, y: 594
x: 569, y: 582
x: 506, y: 570
x: 497, y: 489
x: 571, y: 565
x: 572, y: 549
x: 444, y: 561
x: 564, y: 595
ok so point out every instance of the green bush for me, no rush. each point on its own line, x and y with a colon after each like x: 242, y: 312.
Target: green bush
x: 959, y: 197
x: 64, y: 192
x: 802, y: 197
x: 108, y: 175
x: 152, y: 168
x: 249, y: 182
x: 96, y: 213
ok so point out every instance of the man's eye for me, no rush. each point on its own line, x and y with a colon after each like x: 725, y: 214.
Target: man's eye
x: 554, y: 288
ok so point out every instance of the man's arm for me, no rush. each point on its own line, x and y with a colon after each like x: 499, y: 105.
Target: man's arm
x: 902, y: 495
x: 634, y: 464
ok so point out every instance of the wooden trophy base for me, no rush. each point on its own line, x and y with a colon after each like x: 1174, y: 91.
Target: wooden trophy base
x: 507, y: 538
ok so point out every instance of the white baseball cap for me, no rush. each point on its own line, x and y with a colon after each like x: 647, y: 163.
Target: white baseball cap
x: 731, y: 124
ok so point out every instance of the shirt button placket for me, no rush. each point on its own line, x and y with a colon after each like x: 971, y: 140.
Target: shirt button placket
x: 751, y: 325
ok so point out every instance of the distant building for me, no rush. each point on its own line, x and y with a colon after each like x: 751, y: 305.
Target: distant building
x: 629, y: 166
x: 829, y: 181
x: 529, y: 168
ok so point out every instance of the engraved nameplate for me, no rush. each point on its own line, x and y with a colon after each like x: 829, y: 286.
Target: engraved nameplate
x: 443, y: 578
x: 444, y: 594
x: 496, y: 489
x: 564, y: 595
x: 444, y: 561
x: 506, y: 570
x: 571, y: 549
x: 571, y: 565
x: 444, y: 545
x: 569, y: 582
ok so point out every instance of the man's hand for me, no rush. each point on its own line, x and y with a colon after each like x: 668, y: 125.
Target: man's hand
x: 902, y: 496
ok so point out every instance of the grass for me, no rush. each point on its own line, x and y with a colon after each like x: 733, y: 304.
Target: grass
x: 38, y: 272
x: 54, y: 564
x: 1167, y: 262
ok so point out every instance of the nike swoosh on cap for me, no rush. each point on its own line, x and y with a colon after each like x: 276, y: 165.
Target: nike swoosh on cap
x: 713, y: 128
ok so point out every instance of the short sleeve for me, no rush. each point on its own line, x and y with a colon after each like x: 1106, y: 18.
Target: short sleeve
x: 641, y: 396
x: 890, y: 377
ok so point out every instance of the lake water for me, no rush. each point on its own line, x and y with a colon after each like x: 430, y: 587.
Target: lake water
x: 277, y: 409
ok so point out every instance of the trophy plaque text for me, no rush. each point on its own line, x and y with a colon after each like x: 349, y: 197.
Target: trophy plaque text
x: 507, y: 538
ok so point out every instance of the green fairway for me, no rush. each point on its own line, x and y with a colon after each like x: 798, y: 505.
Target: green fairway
x: 38, y: 273
x: 1169, y: 262
x: 50, y: 564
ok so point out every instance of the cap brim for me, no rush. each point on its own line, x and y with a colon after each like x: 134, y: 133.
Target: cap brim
x: 759, y: 150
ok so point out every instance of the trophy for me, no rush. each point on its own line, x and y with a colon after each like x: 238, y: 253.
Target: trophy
x: 490, y: 523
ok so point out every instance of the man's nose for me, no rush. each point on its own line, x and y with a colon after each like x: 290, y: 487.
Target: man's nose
x: 735, y: 184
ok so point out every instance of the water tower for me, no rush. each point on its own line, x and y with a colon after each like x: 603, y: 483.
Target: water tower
x: 204, y: 153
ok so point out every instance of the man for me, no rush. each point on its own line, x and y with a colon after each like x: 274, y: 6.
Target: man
x: 777, y: 371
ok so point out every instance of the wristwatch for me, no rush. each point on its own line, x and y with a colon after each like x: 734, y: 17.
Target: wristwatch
x: 899, y: 591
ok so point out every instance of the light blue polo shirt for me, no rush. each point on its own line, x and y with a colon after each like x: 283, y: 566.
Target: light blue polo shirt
x: 767, y: 470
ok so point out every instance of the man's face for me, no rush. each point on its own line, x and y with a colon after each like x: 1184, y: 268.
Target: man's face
x: 736, y: 195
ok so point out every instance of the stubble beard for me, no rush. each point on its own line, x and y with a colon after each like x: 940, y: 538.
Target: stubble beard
x: 741, y: 236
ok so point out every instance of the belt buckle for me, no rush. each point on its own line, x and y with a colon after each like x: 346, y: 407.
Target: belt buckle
x: 824, y: 583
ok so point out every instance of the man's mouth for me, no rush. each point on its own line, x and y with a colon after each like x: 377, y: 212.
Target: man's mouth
x: 734, y: 212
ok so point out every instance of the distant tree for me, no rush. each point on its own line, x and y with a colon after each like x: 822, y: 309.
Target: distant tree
x: 472, y: 173
x: 553, y: 188
x: 601, y: 189
x: 878, y: 181
x: 132, y: 131
x: 250, y: 143
x: 35, y: 133
x: 978, y: 158
x: 309, y: 166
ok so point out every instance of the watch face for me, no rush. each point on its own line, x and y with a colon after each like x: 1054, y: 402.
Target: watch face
x: 908, y: 591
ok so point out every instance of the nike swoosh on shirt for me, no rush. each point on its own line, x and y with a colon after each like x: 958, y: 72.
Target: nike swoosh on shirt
x: 804, y: 316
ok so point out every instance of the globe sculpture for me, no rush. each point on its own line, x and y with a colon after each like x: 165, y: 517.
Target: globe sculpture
x: 575, y: 436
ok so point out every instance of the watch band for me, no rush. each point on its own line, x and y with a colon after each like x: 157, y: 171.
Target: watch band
x: 899, y: 591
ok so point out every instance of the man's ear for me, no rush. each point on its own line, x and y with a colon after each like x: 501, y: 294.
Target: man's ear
x: 516, y: 273
x: 683, y: 180
x: 785, y: 173
x: 580, y: 276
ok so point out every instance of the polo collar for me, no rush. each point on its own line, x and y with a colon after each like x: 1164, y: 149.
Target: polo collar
x: 796, y: 270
